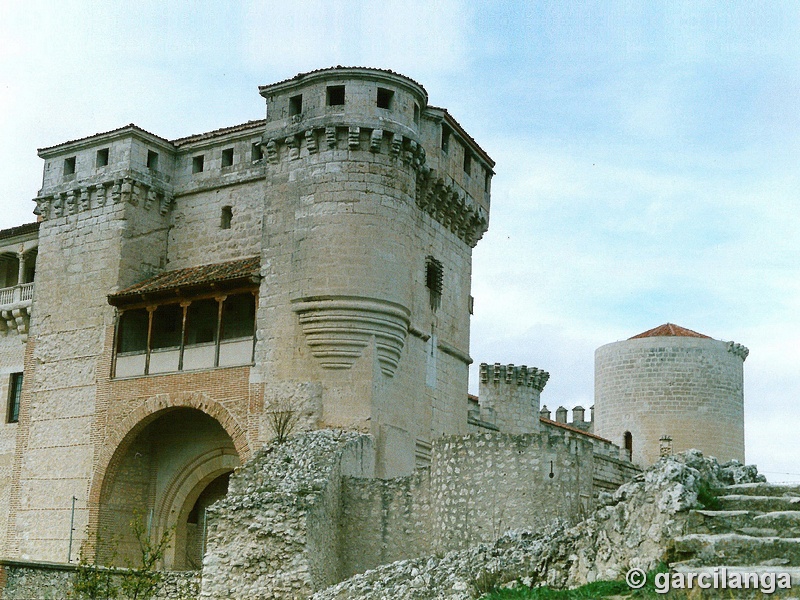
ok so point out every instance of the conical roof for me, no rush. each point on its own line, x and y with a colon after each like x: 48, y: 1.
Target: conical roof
x: 669, y: 330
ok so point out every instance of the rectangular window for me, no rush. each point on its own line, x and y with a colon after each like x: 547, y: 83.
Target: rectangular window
x: 102, y: 158
x: 14, y: 396
x: 255, y: 152
x: 238, y: 316
x: 132, y: 334
x: 197, y: 163
x: 201, y: 322
x: 226, y: 216
x: 152, y: 160
x: 385, y: 98
x: 416, y: 113
x: 335, y: 94
x: 227, y: 157
x: 69, y: 166
x: 295, y: 105
x: 467, y: 162
x: 445, y: 139
x: 167, y: 326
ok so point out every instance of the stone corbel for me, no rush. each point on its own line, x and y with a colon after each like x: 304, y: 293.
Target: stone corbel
x: 272, y: 152
x: 311, y: 142
x: 71, y: 203
x: 353, y: 137
x: 116, y: 191
x: 150, y: 200
x: 375, y: 140
x: 42, y: 207
x: 330, y: 136
x: 22, y: 319
x: 165, y: 204
x: 126, y: 190
x: 84, y: 199
x: 100, y: 198
x: 396, y: 145
x: 294, y: 150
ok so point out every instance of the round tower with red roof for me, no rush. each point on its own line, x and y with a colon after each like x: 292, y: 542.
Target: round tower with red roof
x: 671, y: 389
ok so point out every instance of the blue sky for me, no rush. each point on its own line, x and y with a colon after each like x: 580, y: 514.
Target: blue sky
x: 647, y: 153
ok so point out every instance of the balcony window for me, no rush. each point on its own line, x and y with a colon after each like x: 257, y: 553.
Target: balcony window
x: 186, y: 336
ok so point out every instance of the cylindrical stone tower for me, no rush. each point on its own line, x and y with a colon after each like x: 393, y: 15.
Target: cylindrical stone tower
x: 671, y: 381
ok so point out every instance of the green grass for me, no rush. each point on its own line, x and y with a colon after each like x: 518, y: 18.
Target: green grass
x: 598, y: 589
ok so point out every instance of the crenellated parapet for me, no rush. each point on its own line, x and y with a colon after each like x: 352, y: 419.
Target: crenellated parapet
x: 125, y: 189
x: 738, y: 350
x: 512, y: 374
x: 509, y: 396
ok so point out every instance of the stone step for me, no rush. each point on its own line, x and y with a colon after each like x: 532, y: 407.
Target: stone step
x: 760, y: 489
x: 723, y: 573
x: 761, y: 504
x: 774, y: 524
x: 704, y: 549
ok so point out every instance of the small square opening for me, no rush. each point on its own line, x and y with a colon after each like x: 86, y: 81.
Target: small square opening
x: 152, y: 160
x: 385, y: 98
x: 226, y: 216
x: 295, y: 105
x: 69, y: 166
x: 335, y: 95
x: 102, y: 158
x: 227, y: 157
x: 197, y: 163
x: 255, y: 151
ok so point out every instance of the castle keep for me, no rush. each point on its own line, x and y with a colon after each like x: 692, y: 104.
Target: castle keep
x: 176, y: 297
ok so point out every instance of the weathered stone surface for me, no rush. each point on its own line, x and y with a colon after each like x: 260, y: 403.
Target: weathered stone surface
x: 635, y: 528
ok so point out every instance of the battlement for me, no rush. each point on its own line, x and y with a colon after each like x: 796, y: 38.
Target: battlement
x: 738, y: 350
x: 578, y: 417
x: 516, y: 375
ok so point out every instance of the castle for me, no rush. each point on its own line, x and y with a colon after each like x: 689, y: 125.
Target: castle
x: 176, y: 296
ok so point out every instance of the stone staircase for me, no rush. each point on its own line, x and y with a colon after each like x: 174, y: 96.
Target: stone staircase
x: 755, y: 528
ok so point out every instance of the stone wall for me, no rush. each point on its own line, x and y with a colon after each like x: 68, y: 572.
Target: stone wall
x: 27, y: 580
x: 276, y: 534
x: 11, y: 361
x: 309, y: 512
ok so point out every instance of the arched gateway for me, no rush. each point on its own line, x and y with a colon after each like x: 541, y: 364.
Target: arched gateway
x: 165, y: 472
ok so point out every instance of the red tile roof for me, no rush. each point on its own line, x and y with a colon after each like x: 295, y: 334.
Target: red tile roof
x: 218, y: 132
x: 669, y: 330
x: 236, y: 271
x: 573, y: 429
x: 19, y: 230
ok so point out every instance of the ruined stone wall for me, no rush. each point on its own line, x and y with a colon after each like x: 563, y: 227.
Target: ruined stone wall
x: 690, y: 389
x: 24, y: 580
x: 276, y: 534
x: 485, y: 484
x: 384, y: 520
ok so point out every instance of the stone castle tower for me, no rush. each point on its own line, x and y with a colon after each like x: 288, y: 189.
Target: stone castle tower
x: 317, y: 261
x: 671, y: 389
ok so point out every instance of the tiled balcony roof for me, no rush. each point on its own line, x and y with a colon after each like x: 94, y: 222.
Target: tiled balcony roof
x: 242, y: 271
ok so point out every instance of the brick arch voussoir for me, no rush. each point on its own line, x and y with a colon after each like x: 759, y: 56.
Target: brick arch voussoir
x: 123, y: 434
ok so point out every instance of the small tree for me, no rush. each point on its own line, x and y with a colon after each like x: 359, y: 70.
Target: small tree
x: 141, y: 582
x: 91, y: 581
x: 283, y: 419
